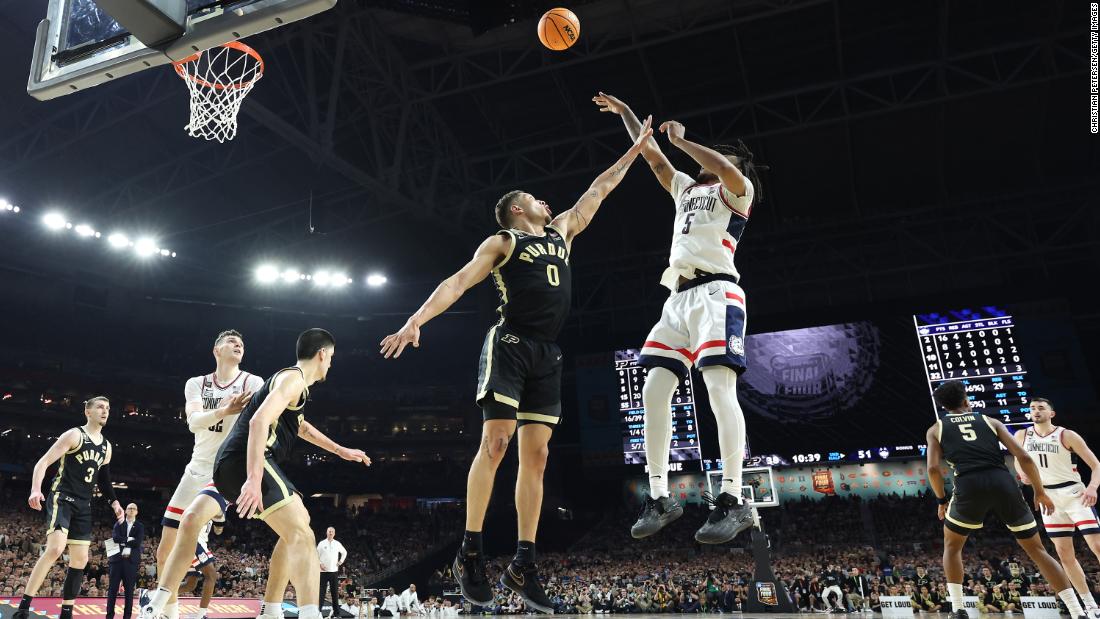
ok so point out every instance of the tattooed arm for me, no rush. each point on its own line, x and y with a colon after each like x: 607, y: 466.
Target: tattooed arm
x: 651, y: 152
x: 572, y: 222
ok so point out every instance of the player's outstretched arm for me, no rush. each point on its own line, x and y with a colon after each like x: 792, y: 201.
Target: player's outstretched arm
x: 1077, y: 445
x: 1025, y: 463
x: 68, y: 441
x: 286, y: 389
x: 309, y: 432
x: 488, y: 254
x: 936, y: 471
x: 730, y: 175
x: 652, y: 154
x: 573, y: 221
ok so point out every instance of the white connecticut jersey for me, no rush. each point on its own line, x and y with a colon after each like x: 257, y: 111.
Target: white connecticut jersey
x: 706, y: 230
x: 209, y: 438
x: 1051, y: 456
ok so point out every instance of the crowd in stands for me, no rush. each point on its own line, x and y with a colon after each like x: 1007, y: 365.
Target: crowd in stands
x: 376, y: 542
x: 823, y: 553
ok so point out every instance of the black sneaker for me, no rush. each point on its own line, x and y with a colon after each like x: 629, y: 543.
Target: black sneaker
x: 958, y: 614
x: 656, y: 514
x: 728, y: 518
x: 21, y: 614
x: 524, y: 581
x: 470, y: 572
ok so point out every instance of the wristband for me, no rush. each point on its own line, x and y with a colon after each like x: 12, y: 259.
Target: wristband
x: 944, y: 500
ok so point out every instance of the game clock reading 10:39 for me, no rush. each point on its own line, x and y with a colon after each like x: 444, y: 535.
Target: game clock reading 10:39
x: 981, y: 349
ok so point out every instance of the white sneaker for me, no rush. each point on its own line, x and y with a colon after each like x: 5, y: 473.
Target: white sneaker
x: 147, y: 612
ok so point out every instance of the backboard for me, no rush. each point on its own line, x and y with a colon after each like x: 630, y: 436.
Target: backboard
x: 79, y: 45
x: 757, y: 484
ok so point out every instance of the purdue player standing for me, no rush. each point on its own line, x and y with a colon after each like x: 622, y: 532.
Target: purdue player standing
x: 85, y: 455
x: 210, y: 400
x: 971, y: 444
x: 248, y: 471
x: 519, y: 374
x: 1052, y: 448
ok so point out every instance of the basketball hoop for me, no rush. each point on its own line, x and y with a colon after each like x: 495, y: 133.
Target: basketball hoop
x: 218, y: 80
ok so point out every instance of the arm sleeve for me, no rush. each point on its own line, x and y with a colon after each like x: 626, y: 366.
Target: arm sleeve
x: 192, y: 393
x: 104, y: 483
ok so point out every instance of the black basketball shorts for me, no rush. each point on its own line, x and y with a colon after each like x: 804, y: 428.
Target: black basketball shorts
x: 71, y: 515
x: 276, y: 490
x: 980, y: 492
x: 519, y: 378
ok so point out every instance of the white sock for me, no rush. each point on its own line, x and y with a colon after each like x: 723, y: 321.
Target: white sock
x: 271, y: 609
x: 202, y: 612
x: 1069, y: 598
x: 158, y: 599
x: 172, y: 610
x: 1086, y: 597
x: 309, y: 611
x: 722, y: 387
x: 657, y: 392
x: 955, y: 592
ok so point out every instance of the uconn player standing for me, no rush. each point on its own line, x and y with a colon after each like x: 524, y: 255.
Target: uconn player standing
x: 209, y: 400
x: 1052, y: 448
x: 702, y: 322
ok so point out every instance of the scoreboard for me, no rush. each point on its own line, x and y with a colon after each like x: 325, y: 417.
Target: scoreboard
x: 685, y: 429
x: 981, y: 349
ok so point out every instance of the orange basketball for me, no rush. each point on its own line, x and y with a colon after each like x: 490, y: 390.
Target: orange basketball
x: 559, y: 29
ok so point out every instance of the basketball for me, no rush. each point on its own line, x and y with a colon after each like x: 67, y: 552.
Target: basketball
x: 559, y: 29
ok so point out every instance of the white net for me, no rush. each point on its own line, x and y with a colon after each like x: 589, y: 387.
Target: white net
x: 218, y: 80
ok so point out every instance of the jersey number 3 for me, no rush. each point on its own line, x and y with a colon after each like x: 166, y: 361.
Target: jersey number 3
x: 90, y: 475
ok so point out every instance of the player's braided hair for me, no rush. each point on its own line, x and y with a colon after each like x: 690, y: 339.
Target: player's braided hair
x: 742, y: 157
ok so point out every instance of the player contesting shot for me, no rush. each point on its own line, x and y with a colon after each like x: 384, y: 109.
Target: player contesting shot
x: 519, y: 373
x: 971, y: 444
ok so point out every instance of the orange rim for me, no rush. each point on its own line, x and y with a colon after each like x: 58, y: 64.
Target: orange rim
x: 181, y: 70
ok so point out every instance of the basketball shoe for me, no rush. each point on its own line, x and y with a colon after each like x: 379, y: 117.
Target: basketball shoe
x: 656, y: 514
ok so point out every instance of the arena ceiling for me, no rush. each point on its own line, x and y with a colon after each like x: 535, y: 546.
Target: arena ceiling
x: 915, y: 148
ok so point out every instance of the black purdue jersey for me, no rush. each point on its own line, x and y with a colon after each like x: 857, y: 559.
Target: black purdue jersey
x: 282, y: 434
x: 76, y: 474
x: 969, y: 442
x: 534, y: 284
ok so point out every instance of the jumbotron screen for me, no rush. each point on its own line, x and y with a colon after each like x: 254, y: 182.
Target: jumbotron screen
x: 861, y: 391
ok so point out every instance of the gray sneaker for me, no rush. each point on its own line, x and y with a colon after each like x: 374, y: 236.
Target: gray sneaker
x: 728, y: 518
x: 656, y: 514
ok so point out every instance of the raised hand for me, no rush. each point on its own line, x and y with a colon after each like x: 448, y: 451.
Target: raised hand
x: 609, y: 103
x: 647, y: 130
x: 235, y: 404
x: 394, y: 343
x: 674, y: 129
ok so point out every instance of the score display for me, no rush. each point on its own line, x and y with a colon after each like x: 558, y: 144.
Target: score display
x: 979, y: 348
x: 685, y: 429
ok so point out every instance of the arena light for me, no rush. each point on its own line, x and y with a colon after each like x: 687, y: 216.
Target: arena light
x: 322, y: 278
x: 339, y: 280
x: 119, y: 240
x: 267, y: 273
x: 85, y: 230
x: 375, y: 280
x: 145, y: 247
x: 54, y: 220
x: 291, y: 276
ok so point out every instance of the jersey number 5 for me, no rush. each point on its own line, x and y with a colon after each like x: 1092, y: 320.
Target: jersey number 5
x: 687, y: 223
x: 967, y: 432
